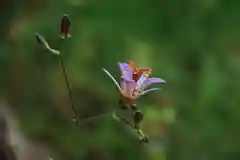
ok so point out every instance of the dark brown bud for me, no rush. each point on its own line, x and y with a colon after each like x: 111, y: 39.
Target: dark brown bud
x: 65, y: 26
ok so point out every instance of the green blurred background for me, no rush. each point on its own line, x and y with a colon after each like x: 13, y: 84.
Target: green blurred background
x: 193, y: 44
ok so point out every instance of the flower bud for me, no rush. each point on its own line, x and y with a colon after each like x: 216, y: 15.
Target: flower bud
x: 65, y: 27
x: 144, y: 139
x: 138, y: 117
x: 42, y: 41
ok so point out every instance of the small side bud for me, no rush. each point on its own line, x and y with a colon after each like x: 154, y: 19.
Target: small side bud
x: 42, y: 41
x: 138, y: 117
x: 65, y: 27
x: 144, y: 139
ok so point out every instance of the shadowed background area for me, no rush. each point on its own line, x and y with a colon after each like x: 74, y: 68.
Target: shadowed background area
x: 193, y: 45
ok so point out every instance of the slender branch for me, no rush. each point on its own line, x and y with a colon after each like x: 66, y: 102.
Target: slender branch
x: 87, y: 120
x: 68, y: 84
x: 140, y: 133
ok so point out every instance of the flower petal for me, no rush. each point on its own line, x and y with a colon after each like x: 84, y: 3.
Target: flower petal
x: 126, y: 71
x: 141, y: 80
x: 113, y: 79
x: 147, y: 91
x: 123, y: 65
x: 128, y: 86
x: 150, y: 81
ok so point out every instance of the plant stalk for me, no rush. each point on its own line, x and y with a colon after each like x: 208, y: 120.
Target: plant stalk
x: 63, y: 66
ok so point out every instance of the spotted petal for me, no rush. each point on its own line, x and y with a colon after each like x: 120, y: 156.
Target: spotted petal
x: 126, y: 71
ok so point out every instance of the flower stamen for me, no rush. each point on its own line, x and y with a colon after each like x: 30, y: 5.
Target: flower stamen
x: 137, y: 72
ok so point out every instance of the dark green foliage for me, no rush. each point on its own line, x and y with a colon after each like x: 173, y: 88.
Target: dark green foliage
x: 193, y: 45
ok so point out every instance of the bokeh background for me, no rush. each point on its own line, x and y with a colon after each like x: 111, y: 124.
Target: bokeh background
x: 193, y: 45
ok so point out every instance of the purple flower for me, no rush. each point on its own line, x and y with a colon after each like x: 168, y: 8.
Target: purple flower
x: 134, y: 81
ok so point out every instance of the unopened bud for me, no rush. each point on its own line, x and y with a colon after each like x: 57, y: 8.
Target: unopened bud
x: 42, y: 41
x: 65, y: 26
x: 144, y: 139
x: 138, y: 117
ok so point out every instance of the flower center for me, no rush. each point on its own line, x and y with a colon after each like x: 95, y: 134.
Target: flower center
x: 137, y: 72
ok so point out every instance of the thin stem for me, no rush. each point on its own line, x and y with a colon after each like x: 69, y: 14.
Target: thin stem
x: 87, y: 120
x: 140, y: 133
x: 68, y: 83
